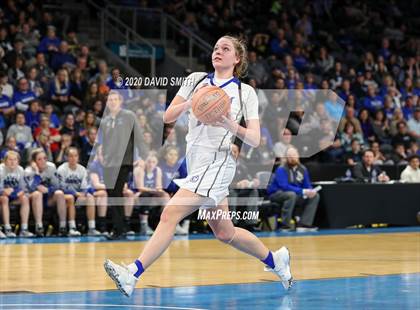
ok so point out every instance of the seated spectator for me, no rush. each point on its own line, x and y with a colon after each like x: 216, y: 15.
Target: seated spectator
x: 23, y: 95
x: 6, y: 109
x: 66, y: 143
x: 402, y: 136
x: 14, y: 191
x: 379, y: 158
x: 414, y: 148
x: 324, y: 62
x: 414, y: 124
x: 89, y: 121
x: 372, y: 101
x: 15, y: 53
x: 50, y: 43
x: 30, y: 39
x: 291, y: 186
x: 116, y: 81
x: 389, y: 108
x: 78, y: 88
x: 6, y: 87
x: 366, y: 171
x: 366, y: 125
x: 348, y: 136
x: 49, y: 112
x: 102, y: 72
x: 10, y: 145
x: 43, y: 142
x: 399, y: 155
x: 45, y: 74
x: 88, y: 146
x: 43, y: 185
x: 333, y: 107
x: 281, y: 146
x: 92, y: 96
x: 21, y: 132
x: 350, y: 117
x: 353, y: 156
x: 46, y: 129
x: 74, y: 183
x: 69, y: 127
x: 34, y: 84
x: 148, y: 180
x: 256, y: 69
x: 408, y: 108
x: 411, y: 173
x: 380, y: 127
x: 60, y: 90
x: 33, y: 114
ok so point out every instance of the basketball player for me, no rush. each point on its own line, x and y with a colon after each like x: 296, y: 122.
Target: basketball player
x: 211, y: 168
x: 73, y: 181
x: 42, y: 181
x: 14, y: 190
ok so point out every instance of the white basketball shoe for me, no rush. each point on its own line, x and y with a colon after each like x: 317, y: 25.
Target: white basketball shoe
x: 122, y: 277
x: 281, y: 260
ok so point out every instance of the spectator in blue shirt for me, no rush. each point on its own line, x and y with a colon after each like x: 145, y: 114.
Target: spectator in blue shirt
x: 60, y: 89
x: 22, y: 95
x: 50, y: 43
x: 291, y: 186
x: 333, y: 107
x: 116, y: 81
x: 62, y: 57
x: 6, y: 108
x: 33, y: 114
x: 372, y: 101
x: 408, y: 108
x: 49, y: 111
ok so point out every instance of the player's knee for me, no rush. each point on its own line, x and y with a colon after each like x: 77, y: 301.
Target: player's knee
x: 169, y: 215
x: 224, y: 235
x: 165, y: 216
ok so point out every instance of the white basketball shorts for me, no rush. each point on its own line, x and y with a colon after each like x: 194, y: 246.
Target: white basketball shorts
x: 209, y: 173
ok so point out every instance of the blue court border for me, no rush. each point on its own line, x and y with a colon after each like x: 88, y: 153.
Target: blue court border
x: 323, y: 232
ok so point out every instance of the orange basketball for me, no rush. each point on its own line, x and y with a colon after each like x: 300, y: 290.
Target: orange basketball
x: 209, y: 103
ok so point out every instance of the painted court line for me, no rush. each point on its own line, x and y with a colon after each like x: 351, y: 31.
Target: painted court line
x: 98, y: 305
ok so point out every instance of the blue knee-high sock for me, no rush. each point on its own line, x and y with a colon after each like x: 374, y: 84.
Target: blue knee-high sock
x: 269, y: 260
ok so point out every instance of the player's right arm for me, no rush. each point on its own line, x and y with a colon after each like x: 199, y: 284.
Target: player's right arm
x: 178, y: 106
x: 181, y: 103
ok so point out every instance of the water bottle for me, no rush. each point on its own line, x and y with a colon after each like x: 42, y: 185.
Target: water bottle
x: 374, y: 176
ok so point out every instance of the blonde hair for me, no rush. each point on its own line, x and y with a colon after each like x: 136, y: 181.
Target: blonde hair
x: 241, y: 52
x: 11, y: 153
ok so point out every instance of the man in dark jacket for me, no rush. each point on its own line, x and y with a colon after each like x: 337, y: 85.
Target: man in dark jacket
x: 291, y: 186
x: 366, y: 171
x: 119, y: 134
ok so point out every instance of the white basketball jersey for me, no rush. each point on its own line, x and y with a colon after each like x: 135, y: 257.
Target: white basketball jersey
x: 218, y: 138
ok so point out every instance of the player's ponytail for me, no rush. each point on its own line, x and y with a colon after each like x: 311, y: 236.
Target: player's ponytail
x: 241, y: 51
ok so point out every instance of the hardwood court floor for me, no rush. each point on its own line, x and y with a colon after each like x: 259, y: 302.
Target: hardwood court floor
x: 77, y: 266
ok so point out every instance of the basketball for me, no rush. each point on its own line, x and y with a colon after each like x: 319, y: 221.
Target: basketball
x: 209, y: 103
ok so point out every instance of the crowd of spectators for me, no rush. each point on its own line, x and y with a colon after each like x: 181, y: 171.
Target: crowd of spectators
x: 368, y: 52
